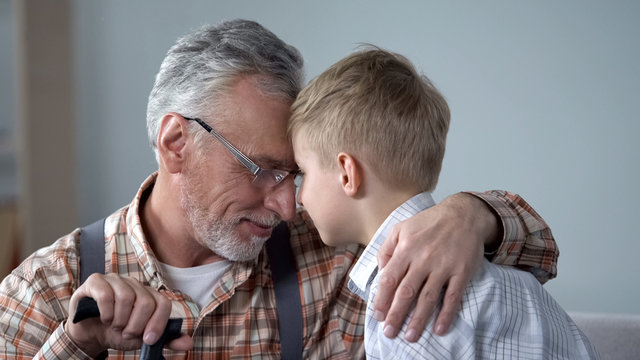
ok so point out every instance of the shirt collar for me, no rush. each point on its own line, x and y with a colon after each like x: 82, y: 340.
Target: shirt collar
x: 141, y: 247
x: 144, y: 253
x: 366, y: 268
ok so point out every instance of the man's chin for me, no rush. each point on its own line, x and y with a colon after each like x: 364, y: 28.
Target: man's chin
x: 245, y: 250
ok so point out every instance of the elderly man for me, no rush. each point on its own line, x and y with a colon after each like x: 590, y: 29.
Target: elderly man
x: 191, y: 243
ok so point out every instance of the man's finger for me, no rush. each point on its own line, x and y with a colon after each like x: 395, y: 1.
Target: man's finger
x: 141, y: 312
x: 124, y: 297
x: 97, y: 287
x: 425, y: 306
x: 158, y: 320
x: 402, y: 302
x: 389, y: 280
x: 450, y: 304
x: 183, y: 343
x: 388, y: 247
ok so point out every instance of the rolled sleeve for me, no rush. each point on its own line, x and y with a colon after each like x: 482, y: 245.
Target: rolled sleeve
x: 527, y: 241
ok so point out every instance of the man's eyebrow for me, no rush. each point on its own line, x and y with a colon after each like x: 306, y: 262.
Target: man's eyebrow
x: 271, y: 163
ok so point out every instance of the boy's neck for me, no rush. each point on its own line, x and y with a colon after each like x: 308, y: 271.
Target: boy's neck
x: 377, y: 207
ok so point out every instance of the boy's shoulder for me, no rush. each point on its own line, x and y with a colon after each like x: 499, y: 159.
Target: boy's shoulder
x: 490, y: 275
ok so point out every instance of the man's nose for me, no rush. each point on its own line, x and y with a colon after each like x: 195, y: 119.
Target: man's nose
x: 281, y: 199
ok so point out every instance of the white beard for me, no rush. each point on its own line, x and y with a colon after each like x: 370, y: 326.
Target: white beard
x: 218, y: 235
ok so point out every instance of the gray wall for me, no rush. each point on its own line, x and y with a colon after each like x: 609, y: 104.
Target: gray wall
x: 544, y: 98
x: 7, y: 104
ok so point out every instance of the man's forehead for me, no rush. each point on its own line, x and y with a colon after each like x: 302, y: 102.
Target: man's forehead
x: 270, y: 152
x: 246, y: 105
x: 268, y: 148
x: 256, y: 123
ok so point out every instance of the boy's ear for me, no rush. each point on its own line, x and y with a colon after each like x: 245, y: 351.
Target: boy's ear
x: 172, y: 140
x: 351, y: 175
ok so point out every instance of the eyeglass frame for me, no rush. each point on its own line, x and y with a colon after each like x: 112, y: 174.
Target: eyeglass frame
x: 277, y: 175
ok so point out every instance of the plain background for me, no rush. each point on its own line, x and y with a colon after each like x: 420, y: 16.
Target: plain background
x: 544, y: 98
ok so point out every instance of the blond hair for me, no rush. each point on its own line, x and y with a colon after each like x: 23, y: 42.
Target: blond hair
x: 374, y: 105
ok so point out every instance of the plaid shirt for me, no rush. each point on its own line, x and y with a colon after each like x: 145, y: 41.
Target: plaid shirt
x: 241, y: 320
x: 505, y: 312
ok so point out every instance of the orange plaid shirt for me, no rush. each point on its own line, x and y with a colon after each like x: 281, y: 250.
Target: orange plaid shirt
x: 241, y: 320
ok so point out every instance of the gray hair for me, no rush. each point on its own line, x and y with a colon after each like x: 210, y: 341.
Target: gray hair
x: 203, y: 65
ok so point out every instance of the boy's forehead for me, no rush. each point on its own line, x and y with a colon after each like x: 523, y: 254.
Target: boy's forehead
x: 300, y: 150
x: 299, y: 138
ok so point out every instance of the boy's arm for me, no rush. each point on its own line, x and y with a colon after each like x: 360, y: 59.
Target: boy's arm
x: 442, y: 248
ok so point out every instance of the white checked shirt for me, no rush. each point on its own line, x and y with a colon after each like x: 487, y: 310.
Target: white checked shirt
x: 506, y: 314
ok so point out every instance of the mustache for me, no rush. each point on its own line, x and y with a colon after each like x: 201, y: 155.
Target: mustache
x: 269, y: 220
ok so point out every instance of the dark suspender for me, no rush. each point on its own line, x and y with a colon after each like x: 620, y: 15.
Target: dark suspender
x: 92, y: 250
x: 283, y: 270
x: 285, y: 283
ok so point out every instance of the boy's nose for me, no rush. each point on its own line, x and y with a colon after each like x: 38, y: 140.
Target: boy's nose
x: 299, y: 196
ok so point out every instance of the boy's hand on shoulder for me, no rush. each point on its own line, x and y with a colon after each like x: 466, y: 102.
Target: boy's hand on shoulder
x: 439, y: 248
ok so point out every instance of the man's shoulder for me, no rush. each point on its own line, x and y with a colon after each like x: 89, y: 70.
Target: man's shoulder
x: 61, y: 258
x: 52, y: 261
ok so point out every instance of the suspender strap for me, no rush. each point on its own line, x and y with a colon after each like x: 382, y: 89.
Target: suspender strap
x: 92, y: 250
x: 283, y: 270
x: 285, y: 282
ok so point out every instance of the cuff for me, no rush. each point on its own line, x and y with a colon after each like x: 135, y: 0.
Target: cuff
x: 497, y: 207
x: 60, y: 346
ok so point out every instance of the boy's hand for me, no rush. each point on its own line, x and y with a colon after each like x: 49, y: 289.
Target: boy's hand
x: 441, y: 247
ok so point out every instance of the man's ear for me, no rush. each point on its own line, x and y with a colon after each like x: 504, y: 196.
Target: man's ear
x: 172, y: 141
x: 351, y: 175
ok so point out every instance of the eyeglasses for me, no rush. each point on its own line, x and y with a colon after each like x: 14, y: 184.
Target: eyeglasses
x: 262, y: 177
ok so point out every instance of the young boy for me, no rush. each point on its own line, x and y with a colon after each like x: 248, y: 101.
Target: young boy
x: 369, y: 136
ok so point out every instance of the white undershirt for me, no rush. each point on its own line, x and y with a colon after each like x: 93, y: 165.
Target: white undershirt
x: 198, y: 281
